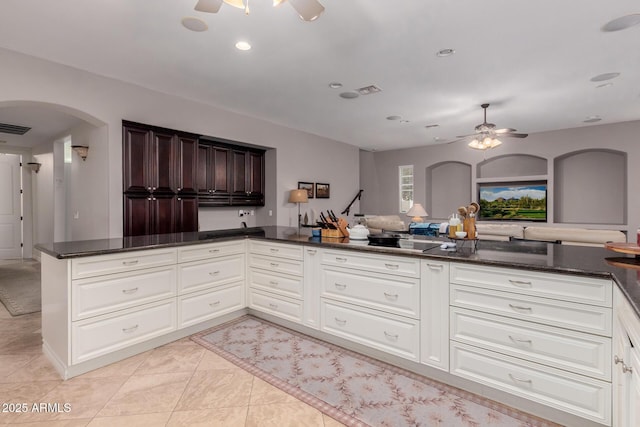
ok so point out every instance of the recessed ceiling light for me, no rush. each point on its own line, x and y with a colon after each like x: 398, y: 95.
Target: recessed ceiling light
x: 622, y: 23
x: 194, y: 24
x: 349, y: 95
x: 445, y: 52
x: 242, y: 45
x: 604, y: 85
x: 592, y: 119
x: 394, y: 117
x: 436, y: 138
x: 604, y: 76
x: 335, y: 85
x: 368, y: 90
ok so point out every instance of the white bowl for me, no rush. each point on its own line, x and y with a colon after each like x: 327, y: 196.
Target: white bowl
x: 461, y: 234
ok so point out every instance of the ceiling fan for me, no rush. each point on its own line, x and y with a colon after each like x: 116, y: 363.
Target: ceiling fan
x: 309, y: 10
x: 486, y: 135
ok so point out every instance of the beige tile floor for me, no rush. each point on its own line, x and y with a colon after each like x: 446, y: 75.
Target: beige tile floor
x: 179, y: 384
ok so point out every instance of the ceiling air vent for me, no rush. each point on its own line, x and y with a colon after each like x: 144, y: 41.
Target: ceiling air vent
x: 368, y: 90
x: 13, y: 129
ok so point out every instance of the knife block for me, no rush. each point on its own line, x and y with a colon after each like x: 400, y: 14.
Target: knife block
x: 328, y: 232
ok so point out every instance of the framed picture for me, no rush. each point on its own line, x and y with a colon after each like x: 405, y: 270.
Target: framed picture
x: 306, y: 186
x: 322, y: 191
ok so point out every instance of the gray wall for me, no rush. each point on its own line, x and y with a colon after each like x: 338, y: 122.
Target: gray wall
x: 576, y: 176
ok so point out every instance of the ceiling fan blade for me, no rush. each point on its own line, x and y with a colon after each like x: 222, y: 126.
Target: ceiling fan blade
x: 504, y: 130
x: 515, y: 135
x: 309, y: 10
x: 468, y: 138
x: 208, y: 6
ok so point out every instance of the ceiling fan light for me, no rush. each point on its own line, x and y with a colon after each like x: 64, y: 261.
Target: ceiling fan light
x: 495, y: 143
x: 235, y: 3
x: 208, y: 6
x: 475, y: 144
x: 309, y: 10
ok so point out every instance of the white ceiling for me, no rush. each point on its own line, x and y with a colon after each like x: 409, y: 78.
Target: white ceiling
x: 532, y: 60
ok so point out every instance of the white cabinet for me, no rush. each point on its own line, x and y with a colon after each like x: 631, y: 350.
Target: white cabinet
x: 276, y: 279
x: 544, y: 337
x: 372, y: 299
x: 434, y: 312
x: 626, y: 364
x: 311, y: 287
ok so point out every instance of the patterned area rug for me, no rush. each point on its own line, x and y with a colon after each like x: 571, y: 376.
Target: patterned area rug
x: 20, y: 287
x: 351, y: 388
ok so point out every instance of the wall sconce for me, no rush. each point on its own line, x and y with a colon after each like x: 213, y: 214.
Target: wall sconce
x: 34, y: 166
x: 82, y: 151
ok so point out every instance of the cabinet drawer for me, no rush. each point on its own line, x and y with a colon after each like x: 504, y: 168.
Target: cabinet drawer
x: 100, y: 295
x: 582, y: 396
x: 279, y: 283
x: 199, y: 275
x: 579, y: 317
x: 582, y: 289
x: 275, y: 249
x: 210, y: 250
x: 392, y: 334
x: 399, y: 295
x: 279, y: 265
x: 577, y: 352
x: 276, y: 305
x: 200, y: 306
x: 121, y: 262
x: 375, y: 263
x: 97, y: 336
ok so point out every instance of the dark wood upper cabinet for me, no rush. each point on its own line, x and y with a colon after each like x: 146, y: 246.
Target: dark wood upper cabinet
x: 137, y: 167
x: 213, y: 172
x: 187, y: 165
x: 163, y: 162
x: 239, y: 162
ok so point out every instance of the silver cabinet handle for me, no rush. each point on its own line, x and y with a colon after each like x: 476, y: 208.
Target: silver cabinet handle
x: 392, y: 266
x: 435, y: 266
x: 274, y: 306
x: 520, y: 283
x: 312, y: 251
x: 153, y: 188
x: 214, y: 251
x: 274, y: 250
x: 130, y: 291
x: 340, y: 259
x: 129, y: 330
x: 391, y: 296
x: 214, y: 273
x: 340, y: 322
x: 148, y: 188
x: 520, y: 341
x: 274, y: 264
x: 340, y: 286
x: 627, y: 369
x: 179, y: 198
x: 521, y: 380
x: 519, y: 308
x: 617, y: 360
x: 393, y: 337
x: 215, y: 303
x: 179, y: 189
x: 134, y: 262
x: 273, y: 282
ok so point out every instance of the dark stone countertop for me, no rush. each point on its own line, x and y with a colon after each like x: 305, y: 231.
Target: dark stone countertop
x: 535, y: 256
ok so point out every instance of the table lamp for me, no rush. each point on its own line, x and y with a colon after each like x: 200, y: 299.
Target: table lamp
x: 298, y: 196
x: 417, y: 212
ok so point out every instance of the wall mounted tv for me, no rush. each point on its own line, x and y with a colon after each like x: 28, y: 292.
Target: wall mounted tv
x: 513, y: 201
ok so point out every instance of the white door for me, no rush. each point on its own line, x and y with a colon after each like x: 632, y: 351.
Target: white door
x: 10, y: 207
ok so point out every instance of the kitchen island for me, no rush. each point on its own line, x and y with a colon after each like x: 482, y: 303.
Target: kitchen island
x: 436, y: 312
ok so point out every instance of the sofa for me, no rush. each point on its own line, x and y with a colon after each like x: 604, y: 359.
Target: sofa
x: 376, y: 224
x: 567, y: 236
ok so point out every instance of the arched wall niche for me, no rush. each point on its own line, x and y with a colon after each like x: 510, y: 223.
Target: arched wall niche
x: 512, y: 165
x: 58, y: 107
x: 590, y: 186
x: 449, y: 187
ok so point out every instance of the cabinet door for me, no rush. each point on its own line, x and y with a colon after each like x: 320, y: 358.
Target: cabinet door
x: 137, y: 215
x: 239, y: 173
x: 187, y: 214
x: 163, y: 212
x: 187, y: 164
x: 633, y: 376
x: 136, y: 150
x: 163, y: 158
x: 220, y: 170
x: 204, y: 173
x: 255, y: 173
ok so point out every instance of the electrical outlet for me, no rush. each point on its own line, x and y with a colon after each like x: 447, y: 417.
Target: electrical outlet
x: 240, y: 213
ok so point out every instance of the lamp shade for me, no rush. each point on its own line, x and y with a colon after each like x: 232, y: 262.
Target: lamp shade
x: 417, y: 212
x: 298, y: 196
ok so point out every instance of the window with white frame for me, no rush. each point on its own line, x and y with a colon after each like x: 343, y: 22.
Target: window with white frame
x: 406, y: 187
